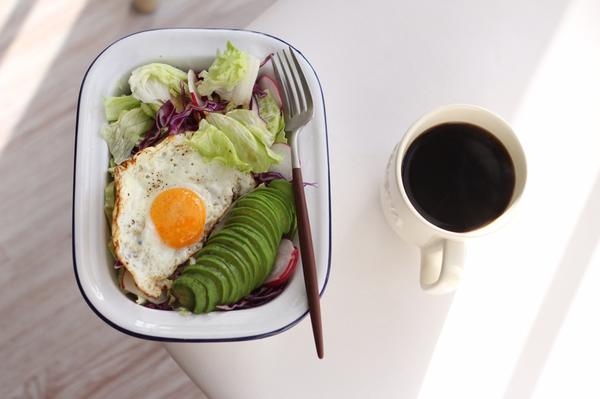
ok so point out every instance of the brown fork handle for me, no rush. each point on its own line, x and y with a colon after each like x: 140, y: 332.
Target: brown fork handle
x: 308, y: 260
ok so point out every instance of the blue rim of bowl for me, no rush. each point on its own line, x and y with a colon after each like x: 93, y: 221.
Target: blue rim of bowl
x: 167, y: 339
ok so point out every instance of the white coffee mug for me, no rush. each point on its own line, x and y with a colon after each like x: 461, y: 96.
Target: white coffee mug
x: 442, y: 251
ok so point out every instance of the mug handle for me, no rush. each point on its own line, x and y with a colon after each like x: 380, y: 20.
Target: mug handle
x: 441, y: 266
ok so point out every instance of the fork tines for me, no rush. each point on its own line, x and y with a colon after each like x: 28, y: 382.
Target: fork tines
x: 288, y: 71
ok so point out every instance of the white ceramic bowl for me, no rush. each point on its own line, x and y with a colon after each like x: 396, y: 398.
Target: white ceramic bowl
x: 107, y: 75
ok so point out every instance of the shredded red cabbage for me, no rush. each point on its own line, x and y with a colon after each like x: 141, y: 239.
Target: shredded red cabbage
x: 160, y: 306
x: 178, y: 271
x: 207, y: 105
x: 266, y: 177
x: 258, y: 297
x: 165, y: 114
x: 170, y: 122
x: 183, y: 121
x: 117, y: 265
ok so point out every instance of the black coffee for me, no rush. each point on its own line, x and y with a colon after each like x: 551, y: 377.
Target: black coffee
x: 458, y: 176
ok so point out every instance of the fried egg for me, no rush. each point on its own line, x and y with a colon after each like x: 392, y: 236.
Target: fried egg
x: 167, y: 200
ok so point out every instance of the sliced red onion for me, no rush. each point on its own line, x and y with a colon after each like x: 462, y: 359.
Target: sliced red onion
x: 192, y: 82
x: 267, y: 59
x: 267, y: 83
x: 285, y: 264
x: 258, y: 92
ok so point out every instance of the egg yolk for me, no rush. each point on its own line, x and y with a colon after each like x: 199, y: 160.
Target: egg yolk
x: 179, y: 216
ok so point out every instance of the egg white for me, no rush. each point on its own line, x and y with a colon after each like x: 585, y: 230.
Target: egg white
x: 138, y: 181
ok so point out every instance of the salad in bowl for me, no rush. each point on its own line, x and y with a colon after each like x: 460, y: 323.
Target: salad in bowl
x: 184, y: 219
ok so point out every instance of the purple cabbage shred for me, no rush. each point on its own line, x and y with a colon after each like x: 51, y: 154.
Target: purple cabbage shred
x: 159, y: 306
x: 266, y: 177
x: 258, y: 297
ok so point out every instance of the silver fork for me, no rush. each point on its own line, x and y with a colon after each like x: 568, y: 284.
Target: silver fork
x: 297, y: 112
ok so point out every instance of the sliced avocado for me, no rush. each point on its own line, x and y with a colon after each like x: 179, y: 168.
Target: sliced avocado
x: 280, y: 213
x: 277, y: 199
x: 212, y: 297
x: 184, y: 294
x: 198, y: 291
x: 287, y: 195
x: 262, y: 224
x: 233, y: 280
x: 261, y: 216
x: 258, y: 244
x: 283, y: 186
x: 231, y: 256
x: 267, y: 209
x: 233, y: 241
x: 218, y: 278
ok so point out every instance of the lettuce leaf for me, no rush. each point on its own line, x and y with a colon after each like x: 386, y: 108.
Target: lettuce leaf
x: 231, y: 76
x: 150, y: 109
x: 269, y: 111
x: 123, y: 134
x: 254, y: 124
x: 249, y: 149
x: 156, y: 82
x: 113, y: 106
x: 213, y: 144
x: 109, y: 200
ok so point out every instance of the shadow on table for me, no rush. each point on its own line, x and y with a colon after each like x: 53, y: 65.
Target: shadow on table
x: 558, y: 299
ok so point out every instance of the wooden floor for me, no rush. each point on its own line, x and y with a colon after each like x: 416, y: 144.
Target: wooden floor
x: 51, y: 344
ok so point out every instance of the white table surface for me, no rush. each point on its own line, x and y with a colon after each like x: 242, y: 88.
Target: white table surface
x: 524, y: 322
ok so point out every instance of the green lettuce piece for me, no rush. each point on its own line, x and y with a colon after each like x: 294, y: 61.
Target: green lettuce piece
x: 231, y: 76
x: 109, y: 200
x: 281, y: 137
x: 214, y: 145
x: 113, y: 106
x: 254, y: 124
x: 123, y: 134
x: 156, y: 82
x: 249, y: 149
x: 269, y: 112
x: 150, y: 109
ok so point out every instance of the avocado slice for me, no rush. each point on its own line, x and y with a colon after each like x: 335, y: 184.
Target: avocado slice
x: 234, y: 241
x: 261, y: 216
x: 260, y: 201
x: 287, y: 196
x: 230, y: 290
x: 210, y: 273
x: 256, y: 218
x: 211, y: 294
x: 184, y: 294
x: 277, y: 199
x: 283, y: 186
x: 263, y: 225
x: 198, y: 290
x: 259, y: 209
x: 230, y: 255
x: 258, y: 244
